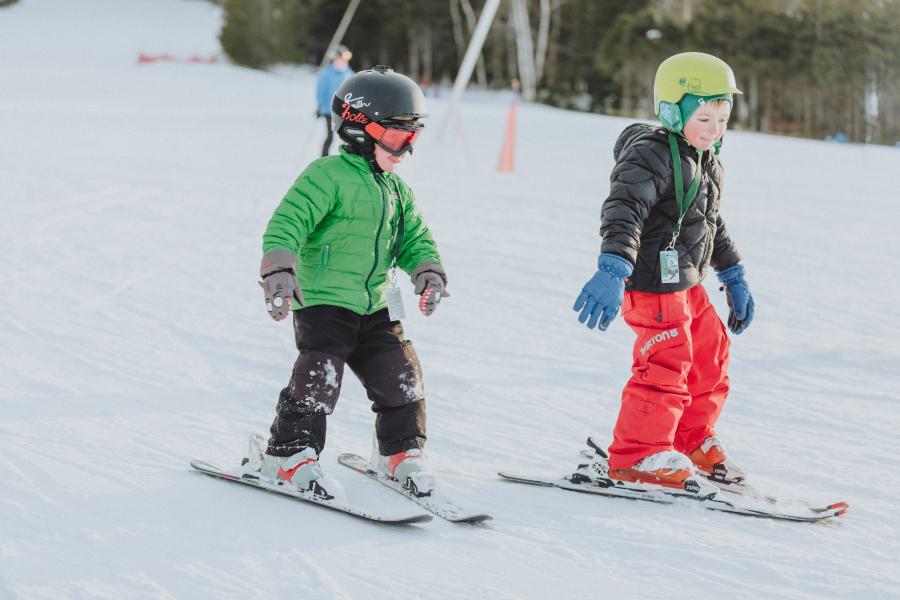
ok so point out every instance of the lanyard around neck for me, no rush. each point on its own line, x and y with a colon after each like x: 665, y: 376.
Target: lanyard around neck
x: 682, y: 200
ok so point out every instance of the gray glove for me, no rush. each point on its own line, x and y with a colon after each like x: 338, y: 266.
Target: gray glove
x: 431, y: 282
x: 279, y: 282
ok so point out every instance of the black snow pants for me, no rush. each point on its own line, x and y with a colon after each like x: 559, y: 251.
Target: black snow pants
x: 329, y: 135
x: 374, y: 347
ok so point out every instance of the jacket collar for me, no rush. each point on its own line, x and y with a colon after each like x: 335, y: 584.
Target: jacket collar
x: 359, y: 162
x: 356, y: 160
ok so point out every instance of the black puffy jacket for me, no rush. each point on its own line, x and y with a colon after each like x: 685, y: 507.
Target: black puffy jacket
x: 639, y: 216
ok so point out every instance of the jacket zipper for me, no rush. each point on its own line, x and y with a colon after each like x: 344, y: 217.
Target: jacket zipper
x: 377, y: 235
x: 322, y: 264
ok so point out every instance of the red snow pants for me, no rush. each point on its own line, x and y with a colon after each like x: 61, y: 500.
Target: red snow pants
x: 679, y: 376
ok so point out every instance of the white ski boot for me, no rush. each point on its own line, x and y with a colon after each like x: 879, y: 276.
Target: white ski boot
x: 300, y: 470
x: 408, y: 467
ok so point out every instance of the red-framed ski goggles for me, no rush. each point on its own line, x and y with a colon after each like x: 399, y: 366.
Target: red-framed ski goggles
x: 396, y: 138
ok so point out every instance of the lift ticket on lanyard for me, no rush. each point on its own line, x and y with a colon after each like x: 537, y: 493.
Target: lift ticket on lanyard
x: 668, y: 266
x: 395, y: 300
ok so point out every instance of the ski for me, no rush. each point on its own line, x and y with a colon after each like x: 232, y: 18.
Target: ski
x: 736, y: 505
x: 738, y: 488
x: 437, y: 502
x: 254, y: 480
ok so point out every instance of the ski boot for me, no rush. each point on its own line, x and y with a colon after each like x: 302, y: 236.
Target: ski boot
x: 713, y: 463
x: 252, y: 463
x: 300, y: 470
x: 668, y: 469
x: 408, y: 467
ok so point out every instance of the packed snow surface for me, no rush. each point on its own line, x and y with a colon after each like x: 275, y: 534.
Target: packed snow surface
x: 134, y: 338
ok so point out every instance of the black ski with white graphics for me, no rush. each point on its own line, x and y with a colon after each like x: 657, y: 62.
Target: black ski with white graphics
x: 738, y: 488
x: 436, y: 502
x: 253, y: 479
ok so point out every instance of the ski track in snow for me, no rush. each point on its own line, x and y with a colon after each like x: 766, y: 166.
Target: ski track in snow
x: 132, y: 201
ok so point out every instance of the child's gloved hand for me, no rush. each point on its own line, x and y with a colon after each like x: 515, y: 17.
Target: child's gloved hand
x: 431, y: 282
x: 279, y: 283
x: 601, y: 297
x: 740, y: 302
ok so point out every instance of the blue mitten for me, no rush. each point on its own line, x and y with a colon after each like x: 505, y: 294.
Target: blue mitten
x: 601, y: 297
x: 740, y: 302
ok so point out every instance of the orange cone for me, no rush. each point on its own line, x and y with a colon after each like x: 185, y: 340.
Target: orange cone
x: 508, y: 152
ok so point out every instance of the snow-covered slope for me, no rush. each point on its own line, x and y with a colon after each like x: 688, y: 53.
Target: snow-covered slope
x: 133, y: 338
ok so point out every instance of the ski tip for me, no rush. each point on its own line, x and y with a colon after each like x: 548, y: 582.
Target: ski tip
x: 480, y: 519
x: 416, y: 519
x: 202, y: 465
x: 841, y: 507
x: 472, y: 519
x: 522, y: 479
x: 205, y: 467
x: 354, y: 461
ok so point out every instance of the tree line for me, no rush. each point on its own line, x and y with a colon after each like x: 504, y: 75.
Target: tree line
x: 813, y: 68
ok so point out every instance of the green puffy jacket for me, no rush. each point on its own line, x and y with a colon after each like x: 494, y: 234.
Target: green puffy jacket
x: 347, y: 225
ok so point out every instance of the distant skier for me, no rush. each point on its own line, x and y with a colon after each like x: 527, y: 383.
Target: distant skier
x: 330, y: 78
x: 331, y: 250
x: 661, y: 231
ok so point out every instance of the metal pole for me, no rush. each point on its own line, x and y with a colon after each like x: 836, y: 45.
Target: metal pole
x: 469, y: 60
x: 339, y: 33
x: 524, y: 49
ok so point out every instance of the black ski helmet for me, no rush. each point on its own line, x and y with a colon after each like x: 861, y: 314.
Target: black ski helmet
x: 377, y: 95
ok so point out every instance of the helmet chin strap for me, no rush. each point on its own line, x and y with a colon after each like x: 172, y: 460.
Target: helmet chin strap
x: 367, y: 151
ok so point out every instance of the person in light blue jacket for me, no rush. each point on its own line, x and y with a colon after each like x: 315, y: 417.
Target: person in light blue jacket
x: 330, y: 78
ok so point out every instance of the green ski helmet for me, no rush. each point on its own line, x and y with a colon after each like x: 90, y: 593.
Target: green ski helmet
x: 694, y: 73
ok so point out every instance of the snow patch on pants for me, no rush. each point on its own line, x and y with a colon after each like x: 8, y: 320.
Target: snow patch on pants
x: 411, y: 386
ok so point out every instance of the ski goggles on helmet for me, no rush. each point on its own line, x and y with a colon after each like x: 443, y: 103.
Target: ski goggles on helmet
x: 396, y: 138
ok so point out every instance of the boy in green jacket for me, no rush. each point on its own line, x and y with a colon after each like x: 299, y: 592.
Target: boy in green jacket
x: 331, y: 251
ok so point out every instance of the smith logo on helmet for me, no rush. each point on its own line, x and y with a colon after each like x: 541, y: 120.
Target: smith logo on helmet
x: 356, y: 102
